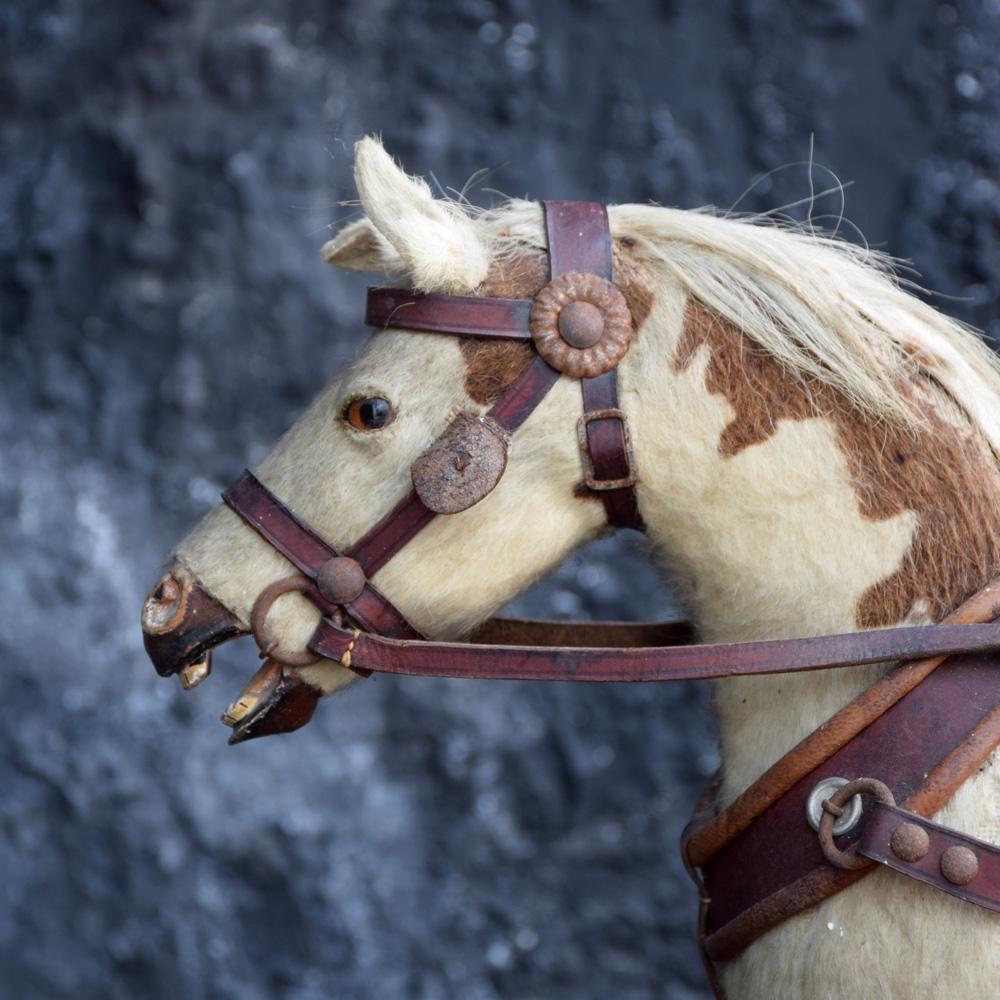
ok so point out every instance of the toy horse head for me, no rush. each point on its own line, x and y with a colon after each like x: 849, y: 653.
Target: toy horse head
x: 769, y: 381
x: 400, y: 418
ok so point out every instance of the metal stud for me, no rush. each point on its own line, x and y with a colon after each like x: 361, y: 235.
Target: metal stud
x: 340, y: 580
x: 909, y: 842
x: 581, y: 324
x: 959, y: 865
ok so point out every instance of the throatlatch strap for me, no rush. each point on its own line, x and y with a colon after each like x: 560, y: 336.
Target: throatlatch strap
x: 580, y: 240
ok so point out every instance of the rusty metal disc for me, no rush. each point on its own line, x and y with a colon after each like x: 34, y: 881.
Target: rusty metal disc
x: 581, y: 324
x: 463, y: 465
x: 959, y: 864
x: 340, y: 580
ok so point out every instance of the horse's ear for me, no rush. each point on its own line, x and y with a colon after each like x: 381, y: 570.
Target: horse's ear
x: 359, y: 246
x: 439, y: 245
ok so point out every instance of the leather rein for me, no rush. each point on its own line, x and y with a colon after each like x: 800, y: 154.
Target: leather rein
x: 580, y: 327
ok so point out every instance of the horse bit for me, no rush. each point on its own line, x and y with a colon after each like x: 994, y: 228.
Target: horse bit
x: 581, y: 327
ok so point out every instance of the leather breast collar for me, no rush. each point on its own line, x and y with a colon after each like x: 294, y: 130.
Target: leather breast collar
x: 580, y: 327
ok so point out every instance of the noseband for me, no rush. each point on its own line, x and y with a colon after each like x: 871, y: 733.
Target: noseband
x: 580, y: 327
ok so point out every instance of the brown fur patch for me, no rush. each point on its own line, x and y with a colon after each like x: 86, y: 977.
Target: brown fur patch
x: 632, y: 283
x: 492, y: 367
x: 945, y: 474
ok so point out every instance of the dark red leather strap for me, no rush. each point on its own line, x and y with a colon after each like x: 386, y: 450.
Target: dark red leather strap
x: 776, y: 868
x: 302, y: 547
x: 880, y: 822
x: 520, y: 400
x: 409, y: 517
x: 465, y: 315
x: 579, y: 239
x: 610, y: 450
x: 380, y: 543
x: 534, y: 663
x: 547, y: 632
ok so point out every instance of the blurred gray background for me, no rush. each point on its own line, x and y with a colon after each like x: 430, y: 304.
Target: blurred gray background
x: 168, y: 172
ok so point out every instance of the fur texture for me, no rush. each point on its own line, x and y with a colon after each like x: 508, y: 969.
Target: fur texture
x: 359, y: 246
x: 441, y: 248
x: 815, y: 446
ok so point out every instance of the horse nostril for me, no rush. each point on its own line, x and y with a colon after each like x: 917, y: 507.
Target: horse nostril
x: 164, y: 607
x: 181, y: 622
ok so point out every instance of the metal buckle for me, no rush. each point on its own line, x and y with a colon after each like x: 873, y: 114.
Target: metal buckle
x: 589, y: 477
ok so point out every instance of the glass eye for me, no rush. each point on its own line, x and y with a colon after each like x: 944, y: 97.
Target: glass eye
x: 370, y: 413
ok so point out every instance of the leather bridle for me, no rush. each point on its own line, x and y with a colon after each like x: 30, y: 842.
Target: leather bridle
x: 580, y: 327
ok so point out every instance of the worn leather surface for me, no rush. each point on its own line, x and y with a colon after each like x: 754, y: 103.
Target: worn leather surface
x: 384, y: 539
x: 916, y: 744
x: 704, y: 842
x: 536, y: 632
x: 279, y: 526
x: 468, y: 315
x: 672, y: 663
x: 609, y: 453
x: 580, y: 240
x: 875, y: 840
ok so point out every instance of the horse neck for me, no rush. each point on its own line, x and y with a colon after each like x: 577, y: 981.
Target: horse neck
x: 783, y: 512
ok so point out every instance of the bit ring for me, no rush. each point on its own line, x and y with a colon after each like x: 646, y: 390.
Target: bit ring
x: 833, y: 807
x: 258, y: 622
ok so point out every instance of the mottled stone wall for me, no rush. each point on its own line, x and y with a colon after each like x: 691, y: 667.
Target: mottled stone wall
x: 168, y: 171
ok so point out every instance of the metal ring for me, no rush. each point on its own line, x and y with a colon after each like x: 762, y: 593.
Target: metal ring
x: 258, y: 617
x: 814, y: 806
x: 832, y: 853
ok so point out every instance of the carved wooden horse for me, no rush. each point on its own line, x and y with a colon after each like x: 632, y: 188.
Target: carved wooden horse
x: 810, y: 449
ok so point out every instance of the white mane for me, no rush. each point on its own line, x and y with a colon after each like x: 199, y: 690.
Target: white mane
x: 825, y: 308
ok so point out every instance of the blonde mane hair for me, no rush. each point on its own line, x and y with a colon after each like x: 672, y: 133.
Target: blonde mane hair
x: 826, y: 309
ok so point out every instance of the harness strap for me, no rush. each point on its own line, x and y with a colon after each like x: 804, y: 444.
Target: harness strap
x: 667, y: 663
x: 580, y: 240
x: 410, y: 516
x: 923, y: 748
x: 302, y: 547
x: 948, y: 711
x: 953, y: 862
x: 463, y: 315
x: 704, y: 840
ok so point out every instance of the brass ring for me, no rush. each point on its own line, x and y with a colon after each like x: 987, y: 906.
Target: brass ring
x: 833, y: 807
x: 258, y: 618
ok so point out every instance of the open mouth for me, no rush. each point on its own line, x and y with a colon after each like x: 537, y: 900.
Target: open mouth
x: 182, y: 623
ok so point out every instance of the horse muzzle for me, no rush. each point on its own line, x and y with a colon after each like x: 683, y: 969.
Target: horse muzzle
x: 182, y: 623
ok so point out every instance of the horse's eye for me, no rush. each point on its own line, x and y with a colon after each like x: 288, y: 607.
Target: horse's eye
x: 370, y: 413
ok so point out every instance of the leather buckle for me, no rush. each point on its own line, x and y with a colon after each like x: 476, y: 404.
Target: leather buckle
x: 589, y: 476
